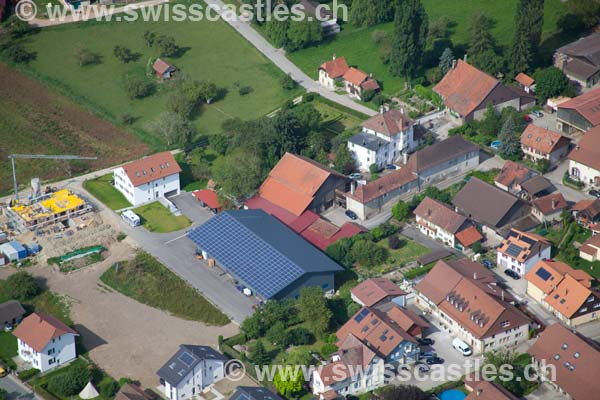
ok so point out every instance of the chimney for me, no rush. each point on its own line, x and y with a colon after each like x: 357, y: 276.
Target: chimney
x: 554, y: 204
x: 381, y: 109
x: 429, y: 212
x: 334, y: 56
x: 453, y: 64
x: 578, y: 148
x: 405, y: 158
x: 475, y: 275
x: 465, y: 58
x: 502, y: 294
x: 352, y: 187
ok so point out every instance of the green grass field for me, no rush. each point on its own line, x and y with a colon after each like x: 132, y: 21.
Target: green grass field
x: 211, y: 51
x: 157, y: 218
x: 101, y: 189
x: 8, y: 348
x: 149, y: 282
x: 360, y: 50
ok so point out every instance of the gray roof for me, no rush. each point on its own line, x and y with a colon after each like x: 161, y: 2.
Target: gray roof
x: 10, y: 310
x: 183, y: 362
x: 260, y: 251
x: 537, y: 184
x: 439, y: 153
x: 484, y: 203
x: 587, y: 48
x: 253, y: 393
x: 368, y: 141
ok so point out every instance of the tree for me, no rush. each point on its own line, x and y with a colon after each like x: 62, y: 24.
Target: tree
x: 368, y: 254
x: 410, y: 38
x: 86, y: 57
x: 446, y: 60
x: 137, y: 87
x: 482, y: 45
x: 403, y: 392
x: 124, y: 54
x: 252, y: 326
x: 511, y: 146
x: 277, y: 31
x: 287, y: 383
x: 16, y: 27
x: 344, y: 162
x: 175, y: 129
x: 3, y: 394
x: 21, y: 286
x: 491, y: 123
x: 277, y: 334
x: 503, y: 359
x: 550, y: 82
x: 529, y: 20
x: 586, y: 12
x: 371, y: 12
x: 17, y: 53
x: 439, y: 29
x: 301, y: 337
x: 303, y: 33
x: 394, y: 242
x: 259, y: 355
x: 238, y: 173
x: 70, y: 382
x: 288, y: 83
x: 149, y: 38
x: 401, y: 211
x: 312, y: 307
x: 373, y: 168
x: 180, y: 104
x: 166, y: 46
x: 299, y: 357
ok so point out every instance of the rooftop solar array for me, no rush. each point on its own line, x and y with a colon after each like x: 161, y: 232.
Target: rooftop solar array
x: 542, y: 273
x: 187, y: 358
x: 259, y: 250
x: 362, y: 314
x: 513, y: 250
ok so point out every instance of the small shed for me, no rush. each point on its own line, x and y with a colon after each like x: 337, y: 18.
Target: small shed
x: 163, y: 69
x: 208, y: 198
x: 11, y: 313
x: 14, y: 250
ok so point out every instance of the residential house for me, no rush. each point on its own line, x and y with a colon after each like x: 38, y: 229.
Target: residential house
x: 385, y: 138
x: 357, y: 82
x: 208, y: 198
x: 512, y: 176
x: 587, y: 212
x: 467, y: 91
x: 254, y: 393
x: 331, y: 73
x: 377, y: 291
x: 580, y: 60
x: 584, y: 159
x: 326, y: 18
x: 521, y: 251
x: 567, y: 361
x: 465, y: 298
x: 44, y: 342
x: 148, y: 179
x: 595, y: 228
x: 487, y: 390
x: 581, y: 113
x: 409, y: 321
x: 525, y: 82
x: 132, y: 391
x: 163, y: 69
x: 191, y: 369
x: 549, y: 208
x: 336, y: 74
x: 492, y: 209
x: 263, y: 254
x: 590, y: 250
x: 11, y: 313
x: 438, y: 221
x: 536, y: 187
x: 564, y: 291
x: 543, y: 144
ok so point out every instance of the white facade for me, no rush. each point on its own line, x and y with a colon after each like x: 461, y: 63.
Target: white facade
x: 435, y: 232
x: 58, y: 351
x: 583, y: 173
x: 393, y: 149
x: 326, y: 81
x: 505, y: 261
x: 202, y: 375
x: 369, y: 378
x: 147, y: 192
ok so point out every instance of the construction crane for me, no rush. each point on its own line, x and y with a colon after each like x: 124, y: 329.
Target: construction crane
x: 40, y: 156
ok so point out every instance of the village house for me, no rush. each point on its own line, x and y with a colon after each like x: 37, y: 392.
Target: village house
x: 581, y: 113
x: 580, y: 60
x: 357, y: 82
x: 566, y: 292
x: 376, y: 291
x: 438, y: 221
x: 331, y: 73
x: 148, y: 179
x: 465, y: 298
x: 590, y: 250
x: 543, y: 144
x: 567, y: 361
x: 467, y: 91
x: 191, y: 369
x: 536, y: 187
x: 525, y: 82
x: 132, y: 391
x: 481, y: 389
x: 512, y: 176
x: 521, y: 251
x: 337, y: 74
x: 11, y: 313
x: 44, y: 342
x: 586, y: 212
x: 584, y: 159
x: 549, y: 208
x: 163, y: 69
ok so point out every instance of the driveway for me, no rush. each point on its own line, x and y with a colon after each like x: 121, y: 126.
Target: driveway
x: 15, y: 389
x: 570, y: 194
x: 191, y: 208
x: 546, y: 392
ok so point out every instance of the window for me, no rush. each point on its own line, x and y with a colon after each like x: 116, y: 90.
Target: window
x: 50, y: 352
x: 51, y: 361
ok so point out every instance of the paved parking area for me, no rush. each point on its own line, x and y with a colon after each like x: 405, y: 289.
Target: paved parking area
x: 336, y: 216
x: 191, y: 208
x: 15, y: 390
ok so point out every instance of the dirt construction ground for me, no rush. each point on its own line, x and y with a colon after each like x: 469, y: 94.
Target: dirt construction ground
x: 124, y: 337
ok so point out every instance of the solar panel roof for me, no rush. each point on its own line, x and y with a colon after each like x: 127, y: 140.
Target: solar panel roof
x: 259, y: 250
x: 513, y: 250
x: 542, y: 273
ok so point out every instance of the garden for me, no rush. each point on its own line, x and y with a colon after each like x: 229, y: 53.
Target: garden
x: 157, y: 218
x: 102, y: 189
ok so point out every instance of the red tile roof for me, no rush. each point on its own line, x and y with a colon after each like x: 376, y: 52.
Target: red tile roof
x: 530, y: 244
x: 370, y: 84
x: 37, y: 330
x: 485, y: 390
x: 372, y: 291
x: 551, y: 204
x: 465, y: 87
x: 543, y: 140
x: 388, y: 123
x: 468, y: 237
x: 151, y: 168
x: 587, y: 151
x: 440, y: 214
x: 587, y: 104
x: 335, y: 68
x: 513, y: 174
x: 208, y: 197
x: 524, y: 79
x: 161, y: 66
x: 383, y: 185
x: 355, y: 76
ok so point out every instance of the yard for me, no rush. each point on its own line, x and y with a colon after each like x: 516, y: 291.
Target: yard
x: 149, y: 282
x: 409, y: 251
x: 335, y: 119
x: 157, y: 218
x: 8, y: 348
x: 103, y: 190
x: 210, y: 51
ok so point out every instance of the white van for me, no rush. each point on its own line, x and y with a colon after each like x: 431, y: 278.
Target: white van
x: 461, y: 346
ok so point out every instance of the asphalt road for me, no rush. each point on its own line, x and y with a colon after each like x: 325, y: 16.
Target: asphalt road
x: 15, y: 389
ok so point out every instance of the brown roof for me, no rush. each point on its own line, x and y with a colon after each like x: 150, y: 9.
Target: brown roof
x: 590, y: 208
x: 485, y: 390
x: 10, y: 310
x: 543, y: 140
x: 513, y: 173
x: 573, y: 357
x: 484, y: 203
x: 469, y: 236
x: 587, y: 48
x: 161, y: 66
x: 38, y: 329
x: 370, y: 84
x: 355, y: 76
x: 372, y: 291
x: 335, y: 68
x: 529, y: 244
x: 551, y: 204
x: 536, y: 185
x: 439, y: 214
x: 131, y: 391
x: 587, y: 151
x: 294, y: 181
x: 594, y: 242
x: 524, y: 79
x: 148, y: 169
x: 587, y: 104
x: 465, y: 87
x: 388, y: 123
x: 440, y: 153
x: 383, y: 185
x: 406, y: 319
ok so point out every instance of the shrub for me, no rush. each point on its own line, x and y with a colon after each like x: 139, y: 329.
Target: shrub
x: 394, y: 242
x: 127, y: 119
x: 138, y: 88
x: 28, y: 374
x: 328, y: 348
x: 124, y: 381
x: 288, y: 83
x: 378, y: 100
x: 69, y: 383
x: 368, y: 95
x: 21, y: 286
x: 17, y: 53
x: 86, y: 57
x: 309, y: 97
x: 301, y: 337
x: 373, y: 168
x: 244, y: 90
x: 108, y: 387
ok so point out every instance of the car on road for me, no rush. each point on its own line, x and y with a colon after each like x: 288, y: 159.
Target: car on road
x: 527, y: 118
x: 434, y: 360
x: 3, y: 372
x: 355, y: 176
x: 351, y: 214
x: 512, y: 274
x: 390, y: 166
x: 462, y: 347
x: 538, y: 114
x: 487, y: 264
x: 428, y: 354
x: 426, y: 341
x: 595, y: 193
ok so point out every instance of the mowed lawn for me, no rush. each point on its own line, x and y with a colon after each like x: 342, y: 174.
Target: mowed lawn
x: 8, y: 347
x: 359, y: 48
x: 157, y: 218
x: 211, y: 51
x: 101, y: 189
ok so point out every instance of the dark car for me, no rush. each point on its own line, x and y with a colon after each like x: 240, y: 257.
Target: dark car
x: 390, y: 166
x: 434, y: 360
x: 487, y: 264
x: 428, y: 354
x: 351, y: 214
x: 512, y: 274
x: 426, y: 341
x: 595, y: 193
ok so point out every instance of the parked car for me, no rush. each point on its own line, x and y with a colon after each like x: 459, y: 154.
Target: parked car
x: 355, y: 175
x: 434, y: 360
x: 595, y: 193
x: 390, y: 166
x: 487, y: 264
x: 351, y: 214
x: 512, y: 274
x: 538, y: 114
x: 8, y: 328
x: 427, y: 354
x: 426, y: 341
x: 527, y: 118
x: 462, y: 347
x: 3, y: 372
